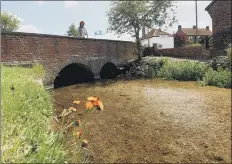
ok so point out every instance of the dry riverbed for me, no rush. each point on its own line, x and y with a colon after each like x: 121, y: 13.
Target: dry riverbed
x: 155, y: 121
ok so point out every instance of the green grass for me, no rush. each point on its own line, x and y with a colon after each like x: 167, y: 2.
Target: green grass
x: 182, y: 70
x: 26, y: 119
x: 220, y: 78
x: 190, y: 71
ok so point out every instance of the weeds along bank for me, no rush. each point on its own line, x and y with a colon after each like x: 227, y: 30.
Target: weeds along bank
x: 26, y: 118
x: 212, y: 73
x: 27, y: 113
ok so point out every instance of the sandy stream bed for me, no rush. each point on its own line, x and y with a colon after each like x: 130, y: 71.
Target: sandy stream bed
x: 155, y: 121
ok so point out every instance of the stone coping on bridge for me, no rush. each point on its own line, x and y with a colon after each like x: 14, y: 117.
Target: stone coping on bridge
x: 59, y: 36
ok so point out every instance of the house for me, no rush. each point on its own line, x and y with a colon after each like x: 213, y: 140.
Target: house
x: 191, y: 33
x: 161, y: 38
x: 220, y: 12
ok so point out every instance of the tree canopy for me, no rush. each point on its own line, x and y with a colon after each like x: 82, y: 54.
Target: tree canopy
x: 9, y: 22
x: 131, y: 16
x: 72, y: 31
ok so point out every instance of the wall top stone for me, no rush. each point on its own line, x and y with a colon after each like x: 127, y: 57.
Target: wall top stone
x: 59, y: 36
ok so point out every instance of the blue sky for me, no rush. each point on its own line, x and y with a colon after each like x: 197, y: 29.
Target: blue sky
x: 54, y: 17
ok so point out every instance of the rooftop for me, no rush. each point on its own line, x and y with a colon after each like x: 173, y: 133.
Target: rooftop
x: 154, y: 33
x: 201, y: 31
x: 211, y: 4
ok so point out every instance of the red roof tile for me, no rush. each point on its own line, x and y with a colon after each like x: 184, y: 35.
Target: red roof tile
x: 154, y: 33
x: 201, y: 31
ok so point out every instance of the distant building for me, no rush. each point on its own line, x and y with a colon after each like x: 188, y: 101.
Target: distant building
x: 191, y: 33
x: 220, y: 12
x: 161, y: 38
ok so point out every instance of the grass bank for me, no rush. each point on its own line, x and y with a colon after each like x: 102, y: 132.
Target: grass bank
x: 26, y: 118
x: 187, y: 70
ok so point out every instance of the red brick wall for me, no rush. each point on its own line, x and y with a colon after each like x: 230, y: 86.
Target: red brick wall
x: 186, y: 52
x: 220, y: 13
x: 26, y: 47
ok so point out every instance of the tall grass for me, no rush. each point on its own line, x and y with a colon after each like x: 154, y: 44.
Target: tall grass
x: 182, y: 70
x: 26, y: 118
x: 219, y: 77
x: 189, y: 71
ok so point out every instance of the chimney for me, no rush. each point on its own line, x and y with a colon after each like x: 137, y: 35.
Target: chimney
x: 194, y: 27
x: 179, y: 27
x: 207, y: 27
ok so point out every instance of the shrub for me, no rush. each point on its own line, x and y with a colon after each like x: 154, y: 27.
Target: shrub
x: 219, y: 62
x: 219, y: 77
x: 184, y: 70
x: 26, y: 117
x: 155, y: 64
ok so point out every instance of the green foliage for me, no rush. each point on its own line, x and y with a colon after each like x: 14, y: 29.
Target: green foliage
x: 219, y: 62
x: 26, y: 118
x: 183, y: 71
x: 72, y: 31
x: 228, y: 50
x: 9, y: 23
x: 220, y: 78
x: 155, y: 64
x: 130, y: 16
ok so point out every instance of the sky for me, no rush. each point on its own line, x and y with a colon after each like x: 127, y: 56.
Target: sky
x: 54, y: 17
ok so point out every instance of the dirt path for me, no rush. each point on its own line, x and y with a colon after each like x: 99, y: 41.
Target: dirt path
x: 156, y: 121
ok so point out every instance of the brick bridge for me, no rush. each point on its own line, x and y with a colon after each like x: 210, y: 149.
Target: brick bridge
x: 62, y: 55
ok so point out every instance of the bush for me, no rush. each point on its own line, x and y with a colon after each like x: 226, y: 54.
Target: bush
x: 220, y: 78
x: 184, y: 70
x: 155, y: 64
x: 219, y: 62
x: 26, y: 118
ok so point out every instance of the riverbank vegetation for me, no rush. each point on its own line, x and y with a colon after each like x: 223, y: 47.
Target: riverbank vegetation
x: 26, y: 118
x: 184, y: 70
x: 28, y: 132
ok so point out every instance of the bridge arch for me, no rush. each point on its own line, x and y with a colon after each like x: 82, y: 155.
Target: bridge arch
x: 72, y: 74
x: 108, y: 71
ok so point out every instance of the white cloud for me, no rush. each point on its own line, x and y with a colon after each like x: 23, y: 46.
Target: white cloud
x: 91, y: 2
x: 28, y: 29
x: 70, y: 4
x: 39, y: 2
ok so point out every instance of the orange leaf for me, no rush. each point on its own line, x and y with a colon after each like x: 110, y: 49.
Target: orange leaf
x: 79, y: 134
x: 100, y: 105
x: 89, y: 105
x: 76, y: 102
x: 92, y: 98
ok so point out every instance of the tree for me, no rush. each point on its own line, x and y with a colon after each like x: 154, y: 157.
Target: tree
x: 131, y: 16
x: 72, y: 31
x: 9, y: 22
